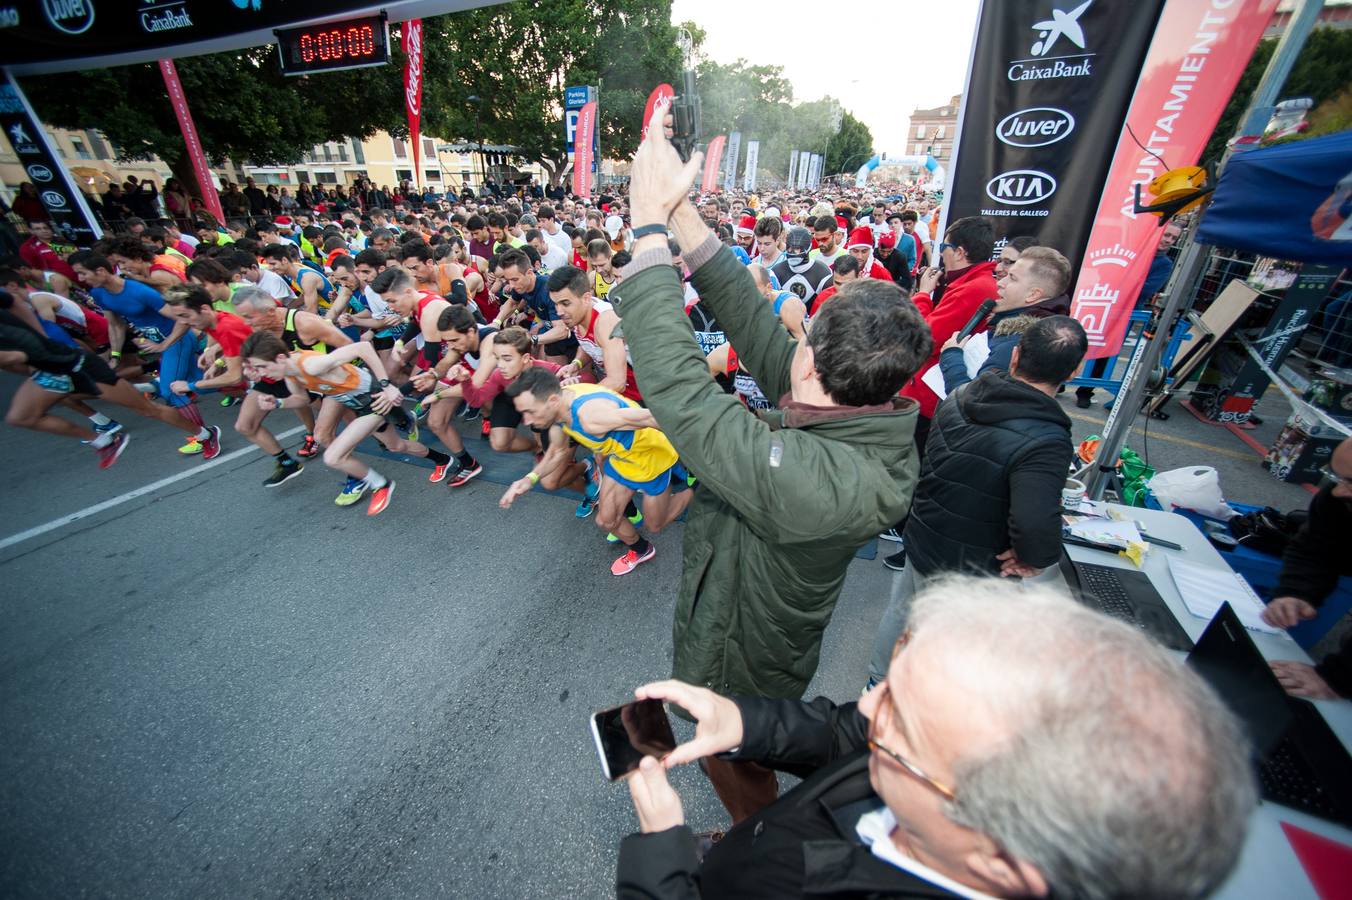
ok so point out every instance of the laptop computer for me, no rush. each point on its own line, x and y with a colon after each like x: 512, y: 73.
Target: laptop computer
x: 1300, y: 761
x: 1126, y: 595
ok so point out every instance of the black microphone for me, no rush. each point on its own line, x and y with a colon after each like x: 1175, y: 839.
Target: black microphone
x: 982, y: 311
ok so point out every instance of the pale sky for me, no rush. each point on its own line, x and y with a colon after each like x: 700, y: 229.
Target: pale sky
x: 881, y: 59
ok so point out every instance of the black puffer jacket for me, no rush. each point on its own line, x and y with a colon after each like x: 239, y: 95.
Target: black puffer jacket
x: 997, y: 459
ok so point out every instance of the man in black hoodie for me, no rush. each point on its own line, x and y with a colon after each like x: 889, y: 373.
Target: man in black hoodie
x: 989, y: 497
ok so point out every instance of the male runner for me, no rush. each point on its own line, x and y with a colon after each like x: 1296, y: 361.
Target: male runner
x: 828, y: 242
x: 142, y: 308
x: 61, y: 372
x: 594, y: 323
x: 136, y: 259
x: 786, y: 304
x: 450, y: 336
x: 551, y: 334
x: 365, y: 391
x: 315, y: 290
x: 637, y: 457
x: 798, y: 271
x: 299, y: 330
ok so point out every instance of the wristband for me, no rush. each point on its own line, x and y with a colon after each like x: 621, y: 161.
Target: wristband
x: 115, y: 354
x: 534, y: 477
x: 644, y: 230
x: 192, y: 387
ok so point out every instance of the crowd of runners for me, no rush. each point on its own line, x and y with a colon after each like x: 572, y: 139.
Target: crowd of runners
x: 429, y: 328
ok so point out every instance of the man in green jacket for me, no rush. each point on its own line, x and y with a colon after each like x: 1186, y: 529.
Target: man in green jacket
x: 786, y: 498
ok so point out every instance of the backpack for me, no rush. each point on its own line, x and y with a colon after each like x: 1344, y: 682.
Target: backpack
x: 1267, y: 530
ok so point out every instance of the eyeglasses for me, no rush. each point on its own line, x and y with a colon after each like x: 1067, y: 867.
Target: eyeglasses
x: 1335, y: 478
x: 883, y: 710
x: 947, y: 246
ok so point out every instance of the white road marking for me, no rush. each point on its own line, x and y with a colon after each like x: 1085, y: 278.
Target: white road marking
x: 97, y: 508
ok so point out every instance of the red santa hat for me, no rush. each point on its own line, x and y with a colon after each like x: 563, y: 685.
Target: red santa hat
x: 862, y: 236
x: 282, y: 220
x: 888, y: 240
x: 842, y: 224
x: 746, y: 225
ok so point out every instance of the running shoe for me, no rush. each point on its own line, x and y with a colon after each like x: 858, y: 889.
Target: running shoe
x: 463, y: 475
x: 228, y: 401
x: 352, y: 492
x: 484, y: 431
x: 585, y: 509
x: 593, y: 477
x: 891, y: 534
x: 631, y: 561
x: 282, y: 474
x: 309, y: 448
x: 148, y: 387
x: 113, y: 427
x: 211, y: 447
x: 636, y: 520
x: 380, y: 498
x: 897, y: 561
x: 406, y: 425
x: 109, y: 452
x: 439, y: 473
x: 470, y: 414
x: 192, y: 448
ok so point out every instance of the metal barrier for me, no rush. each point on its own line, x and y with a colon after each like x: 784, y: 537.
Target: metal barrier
x: 1136, y: 330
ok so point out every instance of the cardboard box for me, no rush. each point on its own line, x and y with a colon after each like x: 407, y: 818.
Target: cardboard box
x: 1302, y: 448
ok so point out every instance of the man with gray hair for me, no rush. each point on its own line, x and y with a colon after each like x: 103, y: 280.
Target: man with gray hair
x: 299, y: 330
x: 1033, y: 748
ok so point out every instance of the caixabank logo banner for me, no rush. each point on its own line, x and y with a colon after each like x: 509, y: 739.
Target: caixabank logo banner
x: 1048, y: 87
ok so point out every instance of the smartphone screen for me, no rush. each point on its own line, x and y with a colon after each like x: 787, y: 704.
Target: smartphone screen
x: 625, y: 734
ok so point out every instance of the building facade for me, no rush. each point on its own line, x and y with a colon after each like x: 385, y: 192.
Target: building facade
x: 933, y: 131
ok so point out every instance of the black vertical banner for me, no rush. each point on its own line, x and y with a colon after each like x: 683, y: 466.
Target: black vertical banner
x: 1047, y: 94
x: 71, y: 217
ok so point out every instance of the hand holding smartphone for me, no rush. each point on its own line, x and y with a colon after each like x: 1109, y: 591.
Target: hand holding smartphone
x: 627, y: 733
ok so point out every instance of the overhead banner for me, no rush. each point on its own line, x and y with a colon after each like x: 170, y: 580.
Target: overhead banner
x: 712, y: 157
x: 413, y: 88
x: 1313, y: 221
x: 730, y: 162
x: 583, y: 159
x: 752, y: 158
x: 65, y: 203
x: 1046, y: 93
x: 1194, y: 63
x: 205, y: 184
x: 804, y: 160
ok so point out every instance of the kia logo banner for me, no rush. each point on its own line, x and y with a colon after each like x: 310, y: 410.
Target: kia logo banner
x: 1047, y: 90
x: 71, y: 217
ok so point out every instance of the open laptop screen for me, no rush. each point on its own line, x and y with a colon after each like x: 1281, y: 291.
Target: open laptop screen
x: 1226, y: 657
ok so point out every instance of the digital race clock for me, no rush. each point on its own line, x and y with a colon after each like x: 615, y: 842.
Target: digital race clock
x: 349, y: 44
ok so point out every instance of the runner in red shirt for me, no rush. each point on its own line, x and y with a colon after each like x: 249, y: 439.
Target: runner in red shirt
x: 593, y: 323
x: 221, y: 361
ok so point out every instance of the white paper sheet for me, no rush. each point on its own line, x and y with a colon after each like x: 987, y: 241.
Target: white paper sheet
x: 1205, y: 588
x: 1106, y: 531
x: 974, y: 354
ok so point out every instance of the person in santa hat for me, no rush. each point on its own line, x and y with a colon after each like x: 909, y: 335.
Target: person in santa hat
x: 860, y: 246
x: 745, y: 233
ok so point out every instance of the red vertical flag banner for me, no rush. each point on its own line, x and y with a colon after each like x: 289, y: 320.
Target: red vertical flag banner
x: 195, y: 154
x: 582, y: 154
x: 1194, y: 62
x: 661, y: 92
x: 413, y: 81
x: 712, y: 156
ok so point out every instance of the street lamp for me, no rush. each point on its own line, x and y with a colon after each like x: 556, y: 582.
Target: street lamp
x: 475, y: 99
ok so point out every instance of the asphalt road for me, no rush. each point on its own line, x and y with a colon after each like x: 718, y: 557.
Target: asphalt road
x: 216, y: 690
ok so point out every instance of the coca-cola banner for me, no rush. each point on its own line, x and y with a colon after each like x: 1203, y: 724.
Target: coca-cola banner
x: 71, y: 216
x: 712, y: 158
x: 1047, y: 90
x: 582, y: 155
x: 179, y: 101
x: 1192, y: 68
x: 413, y: 88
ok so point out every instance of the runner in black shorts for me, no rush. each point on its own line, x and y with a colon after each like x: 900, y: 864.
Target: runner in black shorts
x: 59, y: 372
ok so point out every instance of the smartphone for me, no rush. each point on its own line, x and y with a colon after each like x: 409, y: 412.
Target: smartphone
x: 625, y: 734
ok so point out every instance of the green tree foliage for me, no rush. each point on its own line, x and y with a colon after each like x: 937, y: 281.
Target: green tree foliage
x: 1322, y: 71
x: 757, y: 101
x: 849, y: 148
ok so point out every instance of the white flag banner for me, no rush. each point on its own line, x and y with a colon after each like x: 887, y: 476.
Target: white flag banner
x: 814, y: 176
x: 752, y: 158
x: 730, y: 162
x: 804, y: 160
x: 793, y: 167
